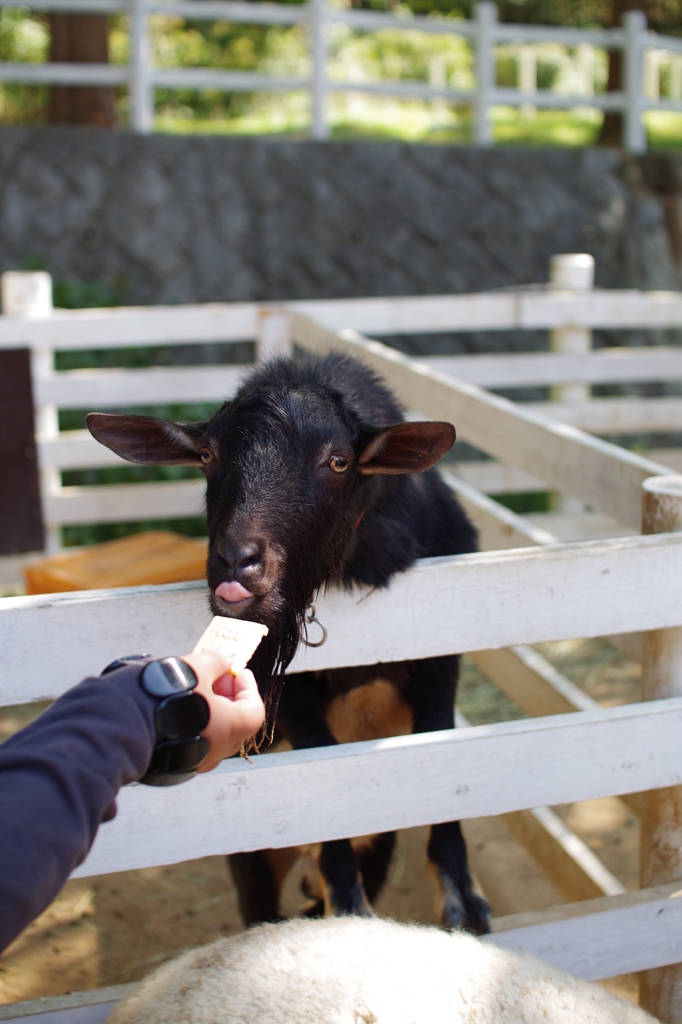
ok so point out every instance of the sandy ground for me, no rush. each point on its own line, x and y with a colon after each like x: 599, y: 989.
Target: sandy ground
x: 116, y: 928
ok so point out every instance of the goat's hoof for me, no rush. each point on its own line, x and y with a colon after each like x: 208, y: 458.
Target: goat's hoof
x: 349, y: 902
x: 472, y: 915
x: 477, y: 915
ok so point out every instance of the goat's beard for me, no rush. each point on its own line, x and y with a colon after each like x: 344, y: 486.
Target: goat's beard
x: 274, y: 655
x: 285, y: 631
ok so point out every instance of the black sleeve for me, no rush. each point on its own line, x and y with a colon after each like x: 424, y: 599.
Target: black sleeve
x: 58, y: 781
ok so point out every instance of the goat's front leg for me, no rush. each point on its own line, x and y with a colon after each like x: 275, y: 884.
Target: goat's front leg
x: 301, y: 718
x: 431, y: 693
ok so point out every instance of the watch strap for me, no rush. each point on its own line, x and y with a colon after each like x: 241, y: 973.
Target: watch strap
x: 180, y: 716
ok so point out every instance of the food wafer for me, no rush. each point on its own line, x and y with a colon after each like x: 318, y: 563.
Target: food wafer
x: 236, y: 638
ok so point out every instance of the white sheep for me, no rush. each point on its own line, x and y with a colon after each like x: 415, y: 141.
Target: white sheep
x: 351, y: 970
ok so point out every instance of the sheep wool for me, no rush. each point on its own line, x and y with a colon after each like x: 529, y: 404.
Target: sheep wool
x: 352, y: 970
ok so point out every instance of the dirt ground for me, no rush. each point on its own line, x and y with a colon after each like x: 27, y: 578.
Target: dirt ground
x: 116, y: 928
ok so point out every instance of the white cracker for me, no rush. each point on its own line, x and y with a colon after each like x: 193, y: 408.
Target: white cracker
x: 236, y: 638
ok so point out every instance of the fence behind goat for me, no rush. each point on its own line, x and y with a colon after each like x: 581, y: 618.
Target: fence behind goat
x: 643, y: 53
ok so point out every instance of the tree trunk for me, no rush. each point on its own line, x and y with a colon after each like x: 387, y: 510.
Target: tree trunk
x: 80, y: 39
x: 612, y: 127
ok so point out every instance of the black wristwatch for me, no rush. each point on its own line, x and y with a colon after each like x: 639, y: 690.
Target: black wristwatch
x: 180, y: 716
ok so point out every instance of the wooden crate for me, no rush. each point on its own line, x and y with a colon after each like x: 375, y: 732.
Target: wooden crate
x: 155, y: 557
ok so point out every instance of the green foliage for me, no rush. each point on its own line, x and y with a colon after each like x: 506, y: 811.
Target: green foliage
x: 129, y: 475
x: 665, y: 16
x: 525, y: 504
x: 546, y: 127
x: 74, y: 419
x: 547, y: 70
x: 579, y: 13
x: 88, y: 294
x: 664, y: 130
x: 79, y: 294
x: 23, y: 38
x: 177, y: 42
x: 399, y: 54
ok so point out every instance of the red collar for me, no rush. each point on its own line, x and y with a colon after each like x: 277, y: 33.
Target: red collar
x: 359, y: 520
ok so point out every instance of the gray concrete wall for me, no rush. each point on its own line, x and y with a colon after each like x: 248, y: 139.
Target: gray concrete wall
x: 190, y: 219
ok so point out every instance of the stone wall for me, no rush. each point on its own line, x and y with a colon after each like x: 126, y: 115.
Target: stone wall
x: 192, y: 219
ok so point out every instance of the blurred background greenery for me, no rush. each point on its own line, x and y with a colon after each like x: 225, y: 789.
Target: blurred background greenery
x: 356, y: 57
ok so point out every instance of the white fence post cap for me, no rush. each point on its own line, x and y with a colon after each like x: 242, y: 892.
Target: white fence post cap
x: 26, y: 293
x: 573, y: 270
x: 662, y: 505
x: 669, y: 486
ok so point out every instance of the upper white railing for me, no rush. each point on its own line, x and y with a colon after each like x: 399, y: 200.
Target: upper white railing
x: 639, y: 47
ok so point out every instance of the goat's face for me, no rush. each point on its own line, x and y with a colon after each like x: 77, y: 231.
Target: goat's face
x: 290, y: 469
x: 282, y: 483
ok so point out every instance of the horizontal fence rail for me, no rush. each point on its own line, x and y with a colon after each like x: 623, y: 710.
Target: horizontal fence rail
x: 482, y: 31
x: 87, y: 389
x: 105, y: 389
x: 307, y: 796
x: 542, y: 369
x: 442, y: 606
x: 551, y: 309
x: 593, y: 939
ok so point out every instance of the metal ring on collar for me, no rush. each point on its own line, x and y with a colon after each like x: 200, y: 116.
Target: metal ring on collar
x: 310, y: 618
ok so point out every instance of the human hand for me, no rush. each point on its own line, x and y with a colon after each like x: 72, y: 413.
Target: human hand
x: 237, y: 710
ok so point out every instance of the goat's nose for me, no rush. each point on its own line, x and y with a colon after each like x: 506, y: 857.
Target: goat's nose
x: 241, y: 555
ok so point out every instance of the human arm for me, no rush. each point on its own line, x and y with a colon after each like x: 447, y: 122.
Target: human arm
x: 59, y: 777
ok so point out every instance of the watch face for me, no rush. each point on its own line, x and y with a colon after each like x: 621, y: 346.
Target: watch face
x: 165, y: 676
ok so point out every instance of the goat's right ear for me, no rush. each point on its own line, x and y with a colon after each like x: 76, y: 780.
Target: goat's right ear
x: 147, y: 439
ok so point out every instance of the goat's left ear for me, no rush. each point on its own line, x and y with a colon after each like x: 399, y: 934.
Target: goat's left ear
x: 406, y: 448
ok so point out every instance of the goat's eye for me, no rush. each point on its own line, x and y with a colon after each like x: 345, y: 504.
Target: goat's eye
x: 338, y: 463
x: 206, y: 455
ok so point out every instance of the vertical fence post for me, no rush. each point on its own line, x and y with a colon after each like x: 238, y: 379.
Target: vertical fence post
x: 661, y: 820
x: 318, y: 36
x: 438, y: 78
x: 634, y: 132
x: 528, y: 78
x: 485, y: 19
x: 652, y: 74
x: 141, y: 89
x: 585, y: 55
x: 30, y: 295
x: 571, y: 272
x: 675, y: 88
x: 274, y: 334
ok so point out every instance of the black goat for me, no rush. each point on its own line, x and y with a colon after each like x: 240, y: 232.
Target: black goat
x: 313, y: 478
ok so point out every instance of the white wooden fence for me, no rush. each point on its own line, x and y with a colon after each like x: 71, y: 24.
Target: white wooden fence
x: 526, y: 466
x: 490, y: 604
x: 483, y: 32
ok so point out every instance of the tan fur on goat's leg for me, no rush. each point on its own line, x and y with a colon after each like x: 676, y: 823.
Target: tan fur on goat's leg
x: 370, y: 712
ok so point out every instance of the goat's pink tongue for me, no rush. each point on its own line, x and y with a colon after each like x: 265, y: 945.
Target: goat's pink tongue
x: 232, y: 592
